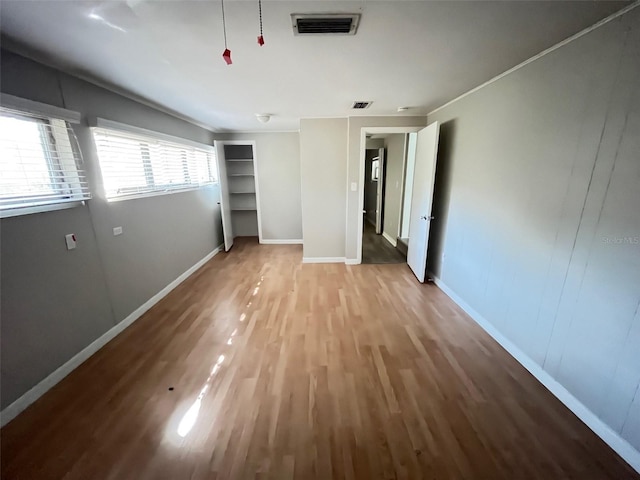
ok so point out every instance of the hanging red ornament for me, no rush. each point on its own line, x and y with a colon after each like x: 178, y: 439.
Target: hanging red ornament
x: 227, y: 56
x: 227, y: 53
x: 260, y: 37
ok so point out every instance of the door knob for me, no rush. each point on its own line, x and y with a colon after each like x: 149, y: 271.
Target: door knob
x: 424, y: 217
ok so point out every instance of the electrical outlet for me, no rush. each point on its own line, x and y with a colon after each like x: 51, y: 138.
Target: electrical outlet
x: 70, y: 239
x: 117, y: 231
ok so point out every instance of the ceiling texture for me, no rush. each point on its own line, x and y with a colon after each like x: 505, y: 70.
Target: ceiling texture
x: 419, y: 54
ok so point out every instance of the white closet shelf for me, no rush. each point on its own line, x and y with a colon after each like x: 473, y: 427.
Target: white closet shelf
x: 242, y: 193
x: 239, y: 159
x: 244, y: 209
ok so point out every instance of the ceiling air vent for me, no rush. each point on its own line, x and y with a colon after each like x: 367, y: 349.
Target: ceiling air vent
x: 325, y: 23
x: 361, y: 105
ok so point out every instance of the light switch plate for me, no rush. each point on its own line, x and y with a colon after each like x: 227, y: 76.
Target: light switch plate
x: 354, y: 187
x: 117, y: 231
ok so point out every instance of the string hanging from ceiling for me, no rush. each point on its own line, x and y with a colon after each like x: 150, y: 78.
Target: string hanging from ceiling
x: 227, y: 53
x: 260, y: 37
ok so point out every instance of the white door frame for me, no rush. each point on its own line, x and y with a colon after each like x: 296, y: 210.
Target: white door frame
x: 363, y: 146
x: 222, y: 143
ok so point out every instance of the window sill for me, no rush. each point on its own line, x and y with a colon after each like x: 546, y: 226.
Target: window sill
x: 135, y: 196
x: 19, y: 211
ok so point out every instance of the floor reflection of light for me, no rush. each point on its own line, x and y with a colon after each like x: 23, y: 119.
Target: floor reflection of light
x: 189, y: 418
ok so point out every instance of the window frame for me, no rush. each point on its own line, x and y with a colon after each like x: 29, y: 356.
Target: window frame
x: 102, y: 123
x: 44, y: 114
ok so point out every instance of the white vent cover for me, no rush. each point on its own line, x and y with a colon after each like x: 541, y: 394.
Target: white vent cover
x: 325, y: 23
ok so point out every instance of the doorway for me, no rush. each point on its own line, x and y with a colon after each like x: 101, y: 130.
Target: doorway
x: 383, y: 189
x: 406, y: 202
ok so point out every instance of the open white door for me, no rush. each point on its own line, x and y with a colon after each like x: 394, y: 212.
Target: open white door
x: 424, y: 175
x: 380, y: 188
x: 225, y: 205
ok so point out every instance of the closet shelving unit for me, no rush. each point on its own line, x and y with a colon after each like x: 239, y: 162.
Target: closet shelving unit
x: 240, y: 188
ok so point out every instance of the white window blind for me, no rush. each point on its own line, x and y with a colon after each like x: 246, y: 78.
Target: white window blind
x: 134, y: 164
x: 40, y: 163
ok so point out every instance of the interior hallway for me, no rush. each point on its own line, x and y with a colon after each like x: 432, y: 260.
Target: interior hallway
x: 303, y: 371
x: 376, y: 249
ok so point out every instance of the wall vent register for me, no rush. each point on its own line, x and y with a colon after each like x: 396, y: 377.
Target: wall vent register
x: 325, y: 24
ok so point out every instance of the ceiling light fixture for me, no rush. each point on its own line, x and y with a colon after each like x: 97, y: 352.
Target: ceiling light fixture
x: 227, y: 53
x: 263, y: 117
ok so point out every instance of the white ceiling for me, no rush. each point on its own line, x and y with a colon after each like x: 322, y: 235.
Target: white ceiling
x: 406, y: 53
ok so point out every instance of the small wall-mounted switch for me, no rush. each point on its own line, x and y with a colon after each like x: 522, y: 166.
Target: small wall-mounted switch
x: 71, y: 241
x: 117, y: 231
x: 354, y: 187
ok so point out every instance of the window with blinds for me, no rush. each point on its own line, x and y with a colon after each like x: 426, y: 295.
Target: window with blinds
x: 40, y: 163
x: 133, y: 164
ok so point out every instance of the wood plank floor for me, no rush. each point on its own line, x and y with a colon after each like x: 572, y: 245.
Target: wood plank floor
x: 281, y: 370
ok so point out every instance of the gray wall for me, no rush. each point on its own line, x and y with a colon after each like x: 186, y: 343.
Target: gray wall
x: 278, y: 157
x: 55, y: 302
x: 373, y: 143
x: 336, y: 151
x: 395, y: 145
x: 350, y: 249
x: 323, y: 160
x: 538, y: 225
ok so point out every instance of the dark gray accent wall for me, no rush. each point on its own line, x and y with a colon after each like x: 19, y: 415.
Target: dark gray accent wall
x: 538, y: 214
x: 55, y: 302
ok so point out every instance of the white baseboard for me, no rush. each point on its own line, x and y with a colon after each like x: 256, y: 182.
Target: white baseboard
x: 351, y: 261
x: 19, y: 405
x: 294, y: 241
x: 604, y: 431
x: 390, y: 239
x: 323, y: 259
